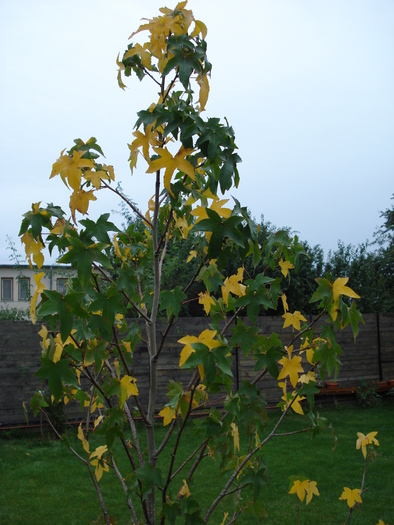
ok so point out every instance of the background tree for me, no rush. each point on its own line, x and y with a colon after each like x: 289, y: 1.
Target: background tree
x: 370, y: 270
x: 90, y: 357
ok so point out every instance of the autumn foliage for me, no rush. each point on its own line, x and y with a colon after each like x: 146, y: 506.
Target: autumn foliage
x: 87, y: 343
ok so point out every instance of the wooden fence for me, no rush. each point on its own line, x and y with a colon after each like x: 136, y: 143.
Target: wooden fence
x: 370, y: 358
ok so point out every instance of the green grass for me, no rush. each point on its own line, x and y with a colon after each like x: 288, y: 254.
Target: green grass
x: 42, y: 483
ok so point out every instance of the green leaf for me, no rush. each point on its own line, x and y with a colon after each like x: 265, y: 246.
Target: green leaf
x: 220, y: 228
x: 268, y: 357
x: 57, y: 374
x: 256, y: 296
x: 82, y: 256
x: 309, y: 390
x: 65, y: 307
x: 109, y: 303
x: 222, y: 359
x: 246, y: 337
x: 257, y: 477
x: 351, y: 315
x: 324, y: 290
x: 149, y: 476
x: 171, y: 301
x: 100, y: 228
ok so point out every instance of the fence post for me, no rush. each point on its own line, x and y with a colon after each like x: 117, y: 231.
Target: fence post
x: 379, y: 352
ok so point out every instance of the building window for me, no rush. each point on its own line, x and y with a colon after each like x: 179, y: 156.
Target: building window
x: 61, y: 285
x: 23, y: 288
x: 7, y: 289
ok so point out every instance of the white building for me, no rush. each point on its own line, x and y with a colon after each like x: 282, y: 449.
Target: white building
x: 17, y: 283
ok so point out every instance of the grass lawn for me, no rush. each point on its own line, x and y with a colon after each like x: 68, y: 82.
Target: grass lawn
x: 42, y: 483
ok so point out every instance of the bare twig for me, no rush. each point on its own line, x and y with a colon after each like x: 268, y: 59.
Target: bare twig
x: 129, y: 203
x: 125, y: 490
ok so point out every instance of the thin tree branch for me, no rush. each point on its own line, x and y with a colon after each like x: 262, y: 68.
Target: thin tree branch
x: 98, y: 491
x: 243, y: 463
x: 166, y: 439
x: 129, y: 203
x: 59, y: 436
x: 125, y: 490
x: 129, y: 299
x: 283, y: 434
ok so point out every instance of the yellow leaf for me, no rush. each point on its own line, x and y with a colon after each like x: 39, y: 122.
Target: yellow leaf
x: 291, y: 367
x: 202, y: 81
x: 128, y: 388
x: 99, y: 462
x: 285, y: 266
x: 351, y: 496
x: 217, y: 206
x: 43, y: 333
x: 115, y: 244
x: 171, y: 163
x: 95, y: 177
x: 182, y: 225
x: 296, y: 406
x: 299, y: 488
x: 284, y: 302
x: 363, y: 441
x: 58, y: 351
x: 146, y: 57
x: 100, y: 468
x: 99, y: 452
x: 168, y: 414
x: 33, y: 247
x: 79, y: 201
x: 307, y: 378
x: 233, y: 285
x: 187, y: 349
x: 184, y: 491
x: 117, y: 368
x: 127, y: 346
x: 40, y: 287
x: 207, y: 337
x: 200, y: 27
x: 97, y: 421
x: 206, y: 300
x: 339, y: 288
x: 304, y: 487
x: 70, y: 168
x: 293, y: 319
x: 145, y: 140
x: 81, y: 436
x: 192, y: 254
x: 58, y: 227
x: 311, y: 491
x: 235, y: 434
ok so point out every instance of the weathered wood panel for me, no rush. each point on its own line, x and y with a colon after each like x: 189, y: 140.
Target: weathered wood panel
x: 20, y: 352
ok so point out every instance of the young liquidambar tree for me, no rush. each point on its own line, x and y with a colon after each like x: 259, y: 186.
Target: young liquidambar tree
x: 87, y: 345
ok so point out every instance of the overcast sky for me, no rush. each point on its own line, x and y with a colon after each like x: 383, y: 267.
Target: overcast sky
x: 308, y: 86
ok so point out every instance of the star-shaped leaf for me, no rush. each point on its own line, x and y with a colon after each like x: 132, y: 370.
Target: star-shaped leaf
x: 351, y: 496
x: 291, y: 367
x: 293, y: 319
x: 363, y: 441
x: 171, y: 163
x: 285, y: 266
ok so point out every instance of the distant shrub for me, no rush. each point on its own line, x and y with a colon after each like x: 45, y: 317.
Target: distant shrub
x: 13, y: 314
x: 367, y: 396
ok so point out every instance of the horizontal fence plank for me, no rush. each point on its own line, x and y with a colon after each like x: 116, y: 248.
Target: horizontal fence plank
x: 20, y: 359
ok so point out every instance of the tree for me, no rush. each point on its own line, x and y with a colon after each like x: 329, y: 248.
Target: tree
x: 89, y: 358
x: 370, y: 270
